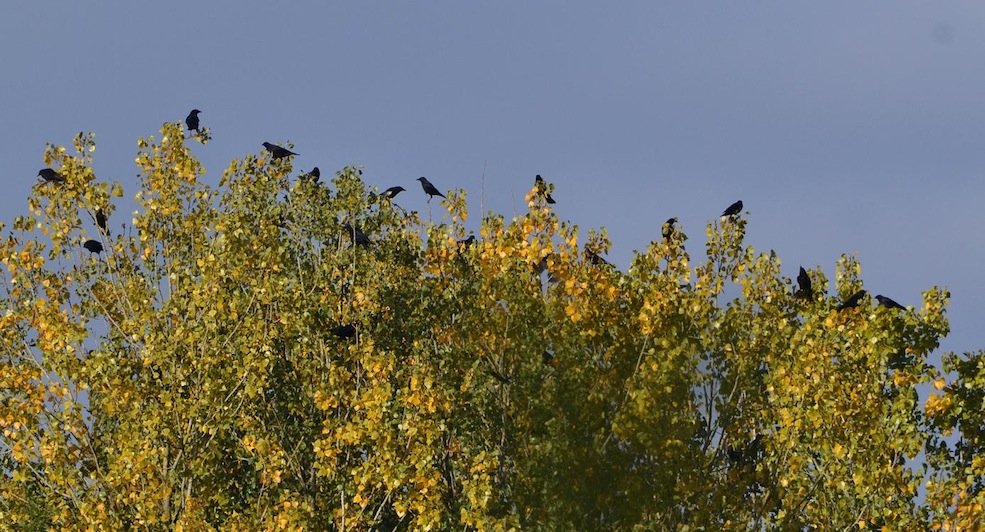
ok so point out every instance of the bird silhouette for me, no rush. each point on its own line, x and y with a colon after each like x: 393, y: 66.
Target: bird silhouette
x: 733, y: 209
x: 429, y: 189
x: 277, y: 152
x: 345, y: 331
x: 93, y: 246
x: 668, y: 228
x: 51, y: 176
x: 542, y: 189
x: 101, y: 221
x: 889, y: 303
x: 853, y: 301
x: 804, y: 281
x: 191, y: 121
x: 357, y: 236
x: 392, y: 192
x: 597, y: 260
x: 314, y: 175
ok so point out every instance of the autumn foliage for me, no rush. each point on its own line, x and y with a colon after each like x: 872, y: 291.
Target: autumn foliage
x: 191, y: 375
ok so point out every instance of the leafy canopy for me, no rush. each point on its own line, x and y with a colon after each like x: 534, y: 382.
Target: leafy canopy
x: 195, y: 374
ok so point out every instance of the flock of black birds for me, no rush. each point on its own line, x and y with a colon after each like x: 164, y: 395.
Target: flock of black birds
x: 805, y: 290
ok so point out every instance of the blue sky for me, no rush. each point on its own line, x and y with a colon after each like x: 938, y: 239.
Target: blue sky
x: 843, y: 126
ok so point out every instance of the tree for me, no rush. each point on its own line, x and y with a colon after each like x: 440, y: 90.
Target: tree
x: 191, y: 376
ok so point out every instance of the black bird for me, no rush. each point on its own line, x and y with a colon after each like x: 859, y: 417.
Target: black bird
x: 429, y: 189
x: 804, y: 281
x: 93, y: 246
x: 889, y: 303
x: 278, y: 152
x: 467, y: 243
x: 314, y: 175
x: 596, y: 260
x: 392, y: 192
x: 101, y: 220
x: 192, y: 120
x: 733, y: 209
x: 51, y: 176
x: 542, y: 189
x: 357, y: 236
x: 853, y: 301
x: 668, y: 228
x: 345, y: 331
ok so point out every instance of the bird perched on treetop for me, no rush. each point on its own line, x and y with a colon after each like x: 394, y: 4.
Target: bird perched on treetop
x: 804, y: 281
x: 93, y: 246
x: 191, y: 121
x: 392, y: 192
x: 853, y: 301
x: 101, y: 220
x: 889, y: 303
x: 429, y: 189
x: 733, y: 209
x: 542, y: 189
x: 277, y: 152
x: 357, y: 236
x: 345, y: 331
x: 314, y: 175
x: 51, y: 176
x: 668, y: 228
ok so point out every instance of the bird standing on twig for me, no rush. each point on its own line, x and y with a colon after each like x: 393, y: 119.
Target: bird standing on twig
x: 542, y: 189
x: 93, y: 246
x: 733, y: 209
x: 429, y: 189
x: 392, y: 192
x: 804, y: 281
x: 51, y: 176
x: 889, y: 303
x: 277, y: 152
x: 668, y: 228
x: 191, y: 121
x: 357, y: 236
x: 853, y: 301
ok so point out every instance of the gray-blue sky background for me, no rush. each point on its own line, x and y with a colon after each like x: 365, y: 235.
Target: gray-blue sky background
x: 843, y: 126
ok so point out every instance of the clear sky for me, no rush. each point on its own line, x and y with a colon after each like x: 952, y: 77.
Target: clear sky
x: 843, y: 126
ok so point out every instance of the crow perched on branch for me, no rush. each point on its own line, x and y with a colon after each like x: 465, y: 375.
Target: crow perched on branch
x: 101, y: 221
x: 668, y: 228
x: 429, y: 189
x: 733, y: 209
x: 542, y: 189
x: 277, y: 152
x: 889, y: 303
x: 93, y: 246
x: 191, y: 121
x: 345, y: 331
x: 392, y: 192
x: 51, y: 176
x: 357, y: 236
x: 804, y: 281
x: 314, y: 175
x: 853, y: 301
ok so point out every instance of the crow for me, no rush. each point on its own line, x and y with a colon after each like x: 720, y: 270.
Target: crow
x: 101, y: 220
x: 668, y: 228
x: 596, y: 260
x: 314, y: 175
x: 192, y: 120
x: 345, y: 331
x: 51, y: 176
x: 93, y: 246
x: 542, y: 189
x: 889, y: 303
x: 804, y: 281
x: 278, y: 152
x: 853, y: 301
x: 429, y: 189
x: 466, y: 244
x: 733, y: 209
x: 357, y: 236
x: 392, y: 192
